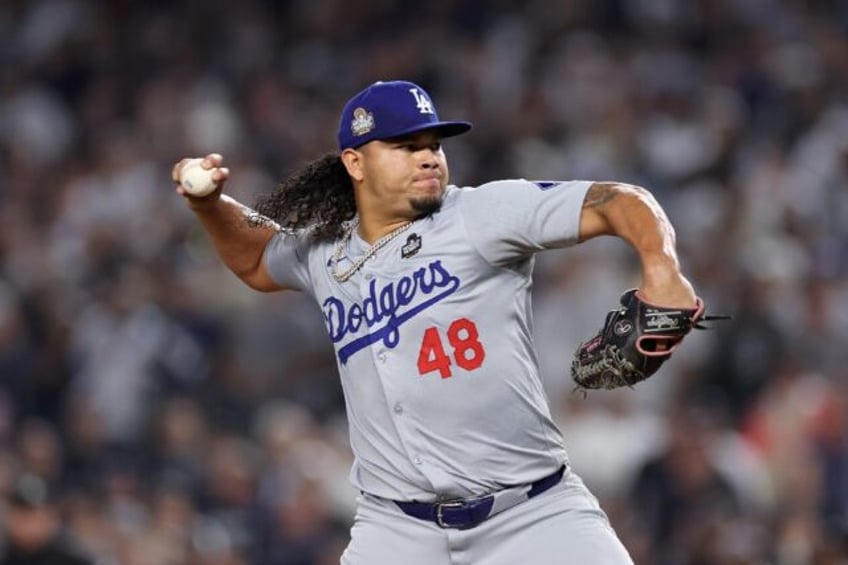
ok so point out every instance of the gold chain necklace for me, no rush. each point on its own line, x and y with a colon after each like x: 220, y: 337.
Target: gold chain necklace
x: 379, y: 244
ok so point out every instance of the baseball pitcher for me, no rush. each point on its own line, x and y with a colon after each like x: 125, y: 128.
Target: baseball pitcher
x: 425, y: 291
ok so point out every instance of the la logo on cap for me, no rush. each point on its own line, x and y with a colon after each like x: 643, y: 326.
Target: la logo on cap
x: 421, y: 101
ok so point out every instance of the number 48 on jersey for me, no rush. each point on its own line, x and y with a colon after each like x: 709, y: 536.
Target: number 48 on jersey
x: 463, y: 347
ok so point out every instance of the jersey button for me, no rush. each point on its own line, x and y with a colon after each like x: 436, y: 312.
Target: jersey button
x: 398, y: 408
x: 417, y: 459
x: 368, y: 276
x: 382, y: 357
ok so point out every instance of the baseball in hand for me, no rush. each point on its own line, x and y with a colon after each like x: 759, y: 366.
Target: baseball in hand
x: 196, y: 180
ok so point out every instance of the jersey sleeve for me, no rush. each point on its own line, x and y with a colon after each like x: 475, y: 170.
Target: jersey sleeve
x: 512, y: 219
x: 286, y: 258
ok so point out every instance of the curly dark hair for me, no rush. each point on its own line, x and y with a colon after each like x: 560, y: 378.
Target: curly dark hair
x: 318, y: 196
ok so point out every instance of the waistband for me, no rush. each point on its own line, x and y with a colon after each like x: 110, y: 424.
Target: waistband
x: 466, y: 513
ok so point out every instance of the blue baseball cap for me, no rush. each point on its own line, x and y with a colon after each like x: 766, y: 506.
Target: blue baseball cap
x: 391, y: 109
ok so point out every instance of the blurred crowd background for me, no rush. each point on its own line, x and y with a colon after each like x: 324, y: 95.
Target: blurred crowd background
x: 154, y: 411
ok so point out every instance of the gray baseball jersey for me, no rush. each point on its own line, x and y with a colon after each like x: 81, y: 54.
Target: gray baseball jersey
x: 433, y: 338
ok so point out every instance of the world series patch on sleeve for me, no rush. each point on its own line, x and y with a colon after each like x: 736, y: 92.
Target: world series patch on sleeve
x: 635, y: 340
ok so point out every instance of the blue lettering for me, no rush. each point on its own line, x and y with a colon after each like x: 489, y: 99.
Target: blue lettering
x: 369, y: 306
x: 394, y: 303
x: 354, y: 318
x: 387, y: 299
x: 334, y: 316
x: 405, y: 291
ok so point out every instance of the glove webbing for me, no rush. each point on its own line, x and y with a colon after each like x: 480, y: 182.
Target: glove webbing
x: 610, y: 366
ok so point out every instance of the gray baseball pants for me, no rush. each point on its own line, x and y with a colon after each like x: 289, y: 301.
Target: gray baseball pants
x: 564, y: 525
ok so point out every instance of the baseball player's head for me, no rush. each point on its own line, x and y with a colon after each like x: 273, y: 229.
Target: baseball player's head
x: 390, y: 140
x: 391, y: 161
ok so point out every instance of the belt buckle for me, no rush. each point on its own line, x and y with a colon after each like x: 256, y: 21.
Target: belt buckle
x: 447, y: 504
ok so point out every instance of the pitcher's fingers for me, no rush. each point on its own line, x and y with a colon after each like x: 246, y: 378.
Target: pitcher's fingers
x: 220, y: 174
x: 175, y: 171
x: 212, y: 161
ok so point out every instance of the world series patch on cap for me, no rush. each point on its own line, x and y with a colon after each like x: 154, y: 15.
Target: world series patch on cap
x: 391, y: 109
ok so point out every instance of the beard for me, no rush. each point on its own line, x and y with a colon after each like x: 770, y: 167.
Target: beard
x: 426, y: 206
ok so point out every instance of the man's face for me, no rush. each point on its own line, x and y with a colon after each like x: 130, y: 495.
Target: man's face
x: 408, y: 175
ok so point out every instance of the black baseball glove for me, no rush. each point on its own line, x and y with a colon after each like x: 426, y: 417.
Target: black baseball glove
x: 636, y: 339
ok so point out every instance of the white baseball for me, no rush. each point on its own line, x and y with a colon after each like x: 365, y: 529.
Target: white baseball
x: 196, y: 180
